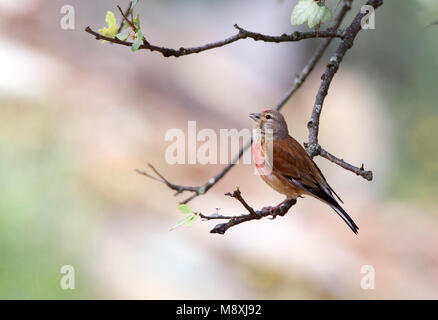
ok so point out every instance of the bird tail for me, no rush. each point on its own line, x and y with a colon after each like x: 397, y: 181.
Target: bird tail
x: 345, y: 217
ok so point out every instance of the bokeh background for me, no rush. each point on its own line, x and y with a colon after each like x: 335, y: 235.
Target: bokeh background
x: 78, y: 116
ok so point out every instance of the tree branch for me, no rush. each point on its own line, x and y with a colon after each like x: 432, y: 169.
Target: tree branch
x: 198, y: 190
x: 313, y: 148
x: 300, y: 78
x: 241, y: 34
x: 128, y: 9
x: 366, y: 174
x: 160, y: 178
x: 280, y: 210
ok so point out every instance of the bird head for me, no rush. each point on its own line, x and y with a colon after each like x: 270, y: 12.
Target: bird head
x: 271, y: 120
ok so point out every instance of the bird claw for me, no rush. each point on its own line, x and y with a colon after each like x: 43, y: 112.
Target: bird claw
x: 272, y: 211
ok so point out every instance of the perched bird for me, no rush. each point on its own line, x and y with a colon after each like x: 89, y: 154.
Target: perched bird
x: 285, y: 165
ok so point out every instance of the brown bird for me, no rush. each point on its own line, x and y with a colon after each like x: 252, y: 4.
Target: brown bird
x: 285, y: 165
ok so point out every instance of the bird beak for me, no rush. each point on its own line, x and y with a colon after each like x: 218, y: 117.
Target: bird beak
x: 255, y: 116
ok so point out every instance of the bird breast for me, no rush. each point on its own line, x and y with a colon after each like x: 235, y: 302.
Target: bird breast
x: 264, y: 163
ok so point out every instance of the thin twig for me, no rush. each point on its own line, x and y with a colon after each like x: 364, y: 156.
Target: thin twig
x: 123, y: 15
x: 179, y: 189
x: 241, y: 34
x: 300, y: 78
x: 125, y: 18
x: 237, y: 195
x: 366, y: 174
x: 313, y: 148
x: 197, y: 190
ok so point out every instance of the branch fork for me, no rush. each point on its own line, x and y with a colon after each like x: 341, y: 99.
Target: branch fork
x: 196, y: 191
x: 252, y: 214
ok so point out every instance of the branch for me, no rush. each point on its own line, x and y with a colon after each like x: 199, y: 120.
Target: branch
x: 300, y: 78
x: 179, y: 189
x: 280, y: 210
x: 125, y: 18
x: 313, y: 148
x: 241, y: 34
x: 366, y: 174
x: 128, y: 9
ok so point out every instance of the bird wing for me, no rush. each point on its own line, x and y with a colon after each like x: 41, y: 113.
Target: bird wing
x: 292, y: 161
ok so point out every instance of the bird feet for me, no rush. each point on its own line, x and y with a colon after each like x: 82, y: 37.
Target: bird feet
x: 281, y: 209
x: 273, y: 211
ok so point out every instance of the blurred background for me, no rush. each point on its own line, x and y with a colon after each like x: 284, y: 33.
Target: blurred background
x: 77, y: 117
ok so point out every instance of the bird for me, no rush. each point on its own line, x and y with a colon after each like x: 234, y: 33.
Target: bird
x: 286, y: 167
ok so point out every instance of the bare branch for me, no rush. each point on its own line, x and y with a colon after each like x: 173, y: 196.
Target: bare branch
x: 124, y: 16
x: 280, y: 210
x: 238, y: 196
x: 313, y: 148
x: 366, y: 174
x: 198, y: 190
x: 299, y: 79
x: 178, y: 188
x: 241, y: 34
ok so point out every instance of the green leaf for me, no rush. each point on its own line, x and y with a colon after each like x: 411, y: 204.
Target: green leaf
x: 322, y: 15
x: 300, y: 12
x: 134, y: 3
x: 314, y: 12
x: 137, y: 42
x: 192, y: 220
x: 184, y: 208
x: 181, y: 222
x: 111, y: 29
x: 137, y: 21
x: 122, y: 37
x: 188, y: 221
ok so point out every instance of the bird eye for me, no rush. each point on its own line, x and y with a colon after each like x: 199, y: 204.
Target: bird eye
x: 268, y: 116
